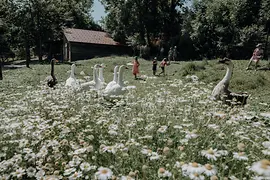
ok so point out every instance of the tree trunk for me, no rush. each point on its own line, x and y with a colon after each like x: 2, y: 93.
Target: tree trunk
x: 266, y: 44
x: 39, y: 39
x: 27, y: 53
x: 1, y: 75
x: 39, y: 49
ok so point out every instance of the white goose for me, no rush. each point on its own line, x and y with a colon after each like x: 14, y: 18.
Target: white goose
x: 114, y: 81
x: 72, y: 81
x: 221, y: 91
x: 118, y: 88
x: 95, y: 83
x: 100, y: 76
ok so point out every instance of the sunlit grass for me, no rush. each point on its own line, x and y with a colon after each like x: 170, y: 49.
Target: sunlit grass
x: 165, y: 128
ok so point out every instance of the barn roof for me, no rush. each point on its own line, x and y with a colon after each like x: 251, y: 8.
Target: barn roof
x: 89, y: 36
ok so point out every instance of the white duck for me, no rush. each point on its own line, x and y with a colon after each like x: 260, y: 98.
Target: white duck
x: 95, y: 83
x: 118, y: 88
x: 72, y: 81
x: 114, y: 81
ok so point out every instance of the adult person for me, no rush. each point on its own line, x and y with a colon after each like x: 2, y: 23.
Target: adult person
x: 175, y: 53
x: 170, y: 55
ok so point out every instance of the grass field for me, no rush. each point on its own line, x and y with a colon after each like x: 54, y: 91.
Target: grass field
x: 166, y: 128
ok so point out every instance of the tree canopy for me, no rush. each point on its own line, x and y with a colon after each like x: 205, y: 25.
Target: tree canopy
x: 31, y: 23
x: 201, y: 29
x: 208, y: 28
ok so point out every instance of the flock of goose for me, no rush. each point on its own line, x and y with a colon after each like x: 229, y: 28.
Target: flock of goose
x: 117, y: 87
x: 113, y: 89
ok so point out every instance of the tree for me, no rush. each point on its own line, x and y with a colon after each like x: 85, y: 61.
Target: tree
x: 148, y: 18
x: 35, y: 22
x: 225, y: 27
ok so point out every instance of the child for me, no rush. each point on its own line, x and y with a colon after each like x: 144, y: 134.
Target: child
x: 256, y: 56
x: 154, y: 68
x: 135, y: 69
x: 162, y: 65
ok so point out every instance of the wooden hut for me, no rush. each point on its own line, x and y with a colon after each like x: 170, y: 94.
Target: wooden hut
x: 79, y: 44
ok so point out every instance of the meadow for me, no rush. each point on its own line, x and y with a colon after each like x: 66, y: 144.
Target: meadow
x: 165, y: 128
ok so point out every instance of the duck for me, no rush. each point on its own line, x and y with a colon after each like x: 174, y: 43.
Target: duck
x: 95, y: 83
x: 221, y: 90
x: 72, y: 81
x: 118, y: 88
x: 51, y: 80
x: 114, y: 81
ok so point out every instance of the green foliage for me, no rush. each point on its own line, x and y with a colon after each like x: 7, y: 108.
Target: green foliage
x: 191, y: 67
x: 33, y: 23
x: 147, y: 18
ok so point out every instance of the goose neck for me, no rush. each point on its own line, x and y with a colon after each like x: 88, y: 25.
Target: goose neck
x: 120, y: 76
x: 72, y: 71
x: 115, y: 74
x: 228, y: 74
x: 52, y: 68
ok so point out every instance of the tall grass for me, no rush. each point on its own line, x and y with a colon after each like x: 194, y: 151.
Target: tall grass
x: 166, y: 128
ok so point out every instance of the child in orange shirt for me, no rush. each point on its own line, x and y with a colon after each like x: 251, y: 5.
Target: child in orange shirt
x: 135, y: 69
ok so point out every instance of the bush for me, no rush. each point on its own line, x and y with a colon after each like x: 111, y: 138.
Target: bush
x: 191, y: 67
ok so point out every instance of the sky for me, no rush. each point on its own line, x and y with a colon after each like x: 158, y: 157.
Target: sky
x: 98, y: 10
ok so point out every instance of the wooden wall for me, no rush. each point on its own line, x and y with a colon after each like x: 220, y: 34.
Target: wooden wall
x: 81, y: 51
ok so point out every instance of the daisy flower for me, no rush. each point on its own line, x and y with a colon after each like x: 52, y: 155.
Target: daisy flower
x: 210, y: 170
x: 266, y: 152
x: 75, y: 175
x: 85, y: 167
x: 162, y: 129
x: 261, y: 168
x: 163, y: 173
x: 196, y: 176
x: 192, y: 168
x: 69, y: 171
x: 19, y: 173
x: 103, y: 173
x: 210, y: 154
x: 223, y: 152
x: 154, y: 156
x: 266, y: 144
x: 240, y: 156
x: 40, y: 174
x: 126, y: 178
x: 147, y: 152
x: 191, y: 135
x: 31, y: 171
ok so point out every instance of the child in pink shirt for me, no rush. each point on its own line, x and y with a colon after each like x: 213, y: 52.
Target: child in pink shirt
x: 162, y: 66
x: 256, y: 56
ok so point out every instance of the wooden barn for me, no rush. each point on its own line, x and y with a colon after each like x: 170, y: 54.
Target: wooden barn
x: 82, y: 44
